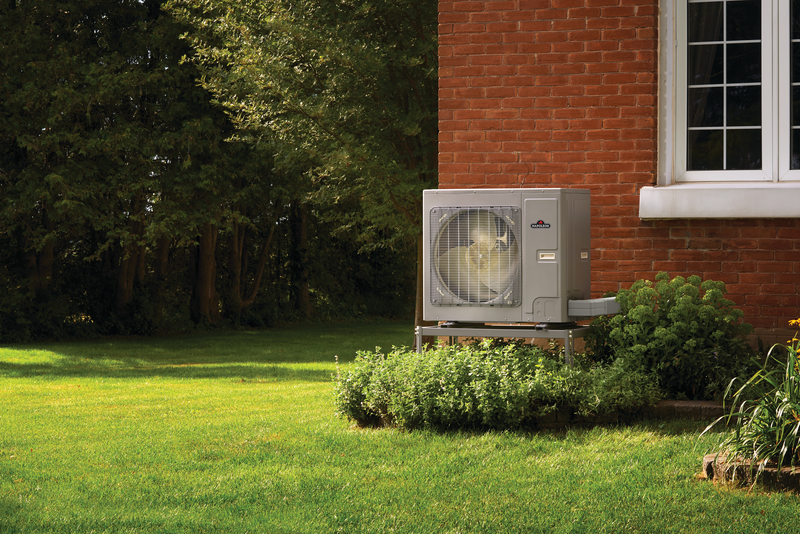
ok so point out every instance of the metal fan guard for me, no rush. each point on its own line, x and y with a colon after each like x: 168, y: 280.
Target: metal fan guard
x: 442, y: 294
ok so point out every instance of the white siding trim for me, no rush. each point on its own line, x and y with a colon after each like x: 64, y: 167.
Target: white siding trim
x: 712, y: 201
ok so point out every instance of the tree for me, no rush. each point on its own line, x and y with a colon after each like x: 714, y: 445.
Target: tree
x: 111, y: 151
x: 344, y: 91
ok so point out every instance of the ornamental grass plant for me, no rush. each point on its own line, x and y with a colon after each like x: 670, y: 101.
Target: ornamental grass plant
x: 765, y: 413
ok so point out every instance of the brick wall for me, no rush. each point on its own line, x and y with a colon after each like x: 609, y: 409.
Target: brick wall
x: 563, y: 93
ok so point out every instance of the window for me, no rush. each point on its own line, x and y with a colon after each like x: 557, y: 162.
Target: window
x: 729, y: 110
x: 724, y: 67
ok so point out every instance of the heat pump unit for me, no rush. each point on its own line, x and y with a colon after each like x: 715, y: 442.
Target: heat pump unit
x: 506, y: 255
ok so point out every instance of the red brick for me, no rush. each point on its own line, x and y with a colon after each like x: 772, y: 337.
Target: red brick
x: 602, y: 68
x: 567, y: 91
x: 603, y: 23
x: 469, y: 157
x: 619, y: 34
x: 569, y: 135
x: 786, y: 278
x: 603, y: 113
x: 501, y: 157
x: 454, y: 167
x: 485, y: 38
x: 651, y: 254
x: 687, y: 255
x: 602, y: 134
x: 757, y: 278
x: 720, y: 255
x: 788, y: 233
x: 502, y: 135
x: 569, y: 25
x: 486, y: 17
x: 778, y: 288
x: 756, y: 255
x: 502, y: 113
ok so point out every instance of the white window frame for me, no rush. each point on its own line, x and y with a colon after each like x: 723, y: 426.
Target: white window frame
x: 774, y: 191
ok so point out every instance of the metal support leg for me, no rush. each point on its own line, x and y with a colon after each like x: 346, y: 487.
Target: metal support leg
x: 569, y: 347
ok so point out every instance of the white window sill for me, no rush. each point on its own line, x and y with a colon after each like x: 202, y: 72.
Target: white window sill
x: 721, y: 201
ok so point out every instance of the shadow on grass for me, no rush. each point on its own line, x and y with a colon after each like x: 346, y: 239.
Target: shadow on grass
x: 123, y: 369
x: 577, y: 434
x: 276, y: 354
x: 8, y: 509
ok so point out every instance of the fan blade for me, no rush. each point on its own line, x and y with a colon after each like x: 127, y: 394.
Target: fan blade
x: 460, y: 275
x: 500, y: 269
x: 482, y: 228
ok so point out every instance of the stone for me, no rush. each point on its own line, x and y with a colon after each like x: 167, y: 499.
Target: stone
x: 717, y: 469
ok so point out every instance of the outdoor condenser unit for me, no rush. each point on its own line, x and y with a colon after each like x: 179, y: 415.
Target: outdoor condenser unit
x: 508, y: 256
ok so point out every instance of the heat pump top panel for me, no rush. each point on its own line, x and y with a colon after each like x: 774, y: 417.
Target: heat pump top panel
x: 505, y: 255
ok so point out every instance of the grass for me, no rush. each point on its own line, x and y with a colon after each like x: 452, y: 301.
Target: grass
x: 235, y: 432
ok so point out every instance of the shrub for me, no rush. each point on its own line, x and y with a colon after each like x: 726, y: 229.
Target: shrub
x: 684, y: 331
x: 765, y: 412
x: 481, y: 386
x: 598, y: 339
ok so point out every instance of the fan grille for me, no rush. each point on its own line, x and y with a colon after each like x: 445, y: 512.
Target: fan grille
x: 475, y: 256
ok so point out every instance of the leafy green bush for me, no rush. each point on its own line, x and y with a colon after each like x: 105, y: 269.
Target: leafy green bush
x: 684, y: 331
x: 597, y: 340
x: 481, y: 386
x: 765, y: 413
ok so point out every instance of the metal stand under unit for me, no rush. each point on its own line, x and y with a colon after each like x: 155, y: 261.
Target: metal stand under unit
x: 566, y: 332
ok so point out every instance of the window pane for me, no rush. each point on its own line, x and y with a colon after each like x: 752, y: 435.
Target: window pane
x: 795, y: 19
x: 743, y: 22
x: 744, y: 105
x: 795, y: 105
x: 744, y: 63
x: 795, y: 62
x: 795, y: 159
x: 705, y: 107
x: 706, y: 65
x: 743, y: 150
x: 705, y: 150
x: 705, y: 22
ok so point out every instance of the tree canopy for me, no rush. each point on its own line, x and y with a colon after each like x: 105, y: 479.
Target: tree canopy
x: 346, y: 93
x: 131, y: 198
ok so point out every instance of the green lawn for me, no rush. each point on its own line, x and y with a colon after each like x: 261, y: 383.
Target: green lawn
x: 236, y: 432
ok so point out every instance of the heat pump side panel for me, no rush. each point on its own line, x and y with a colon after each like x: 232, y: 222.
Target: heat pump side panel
x: 542, y: 262
x: 579, y: 265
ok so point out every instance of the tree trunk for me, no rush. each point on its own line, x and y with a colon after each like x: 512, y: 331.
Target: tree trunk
x: 299, y: 260
x: 124, y: 290
x: 131, y: 265
x: 237, y: 255
x: 40, y: 263
x: 204, y: 306
x: 160, y: 277
x: 238, y: 297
